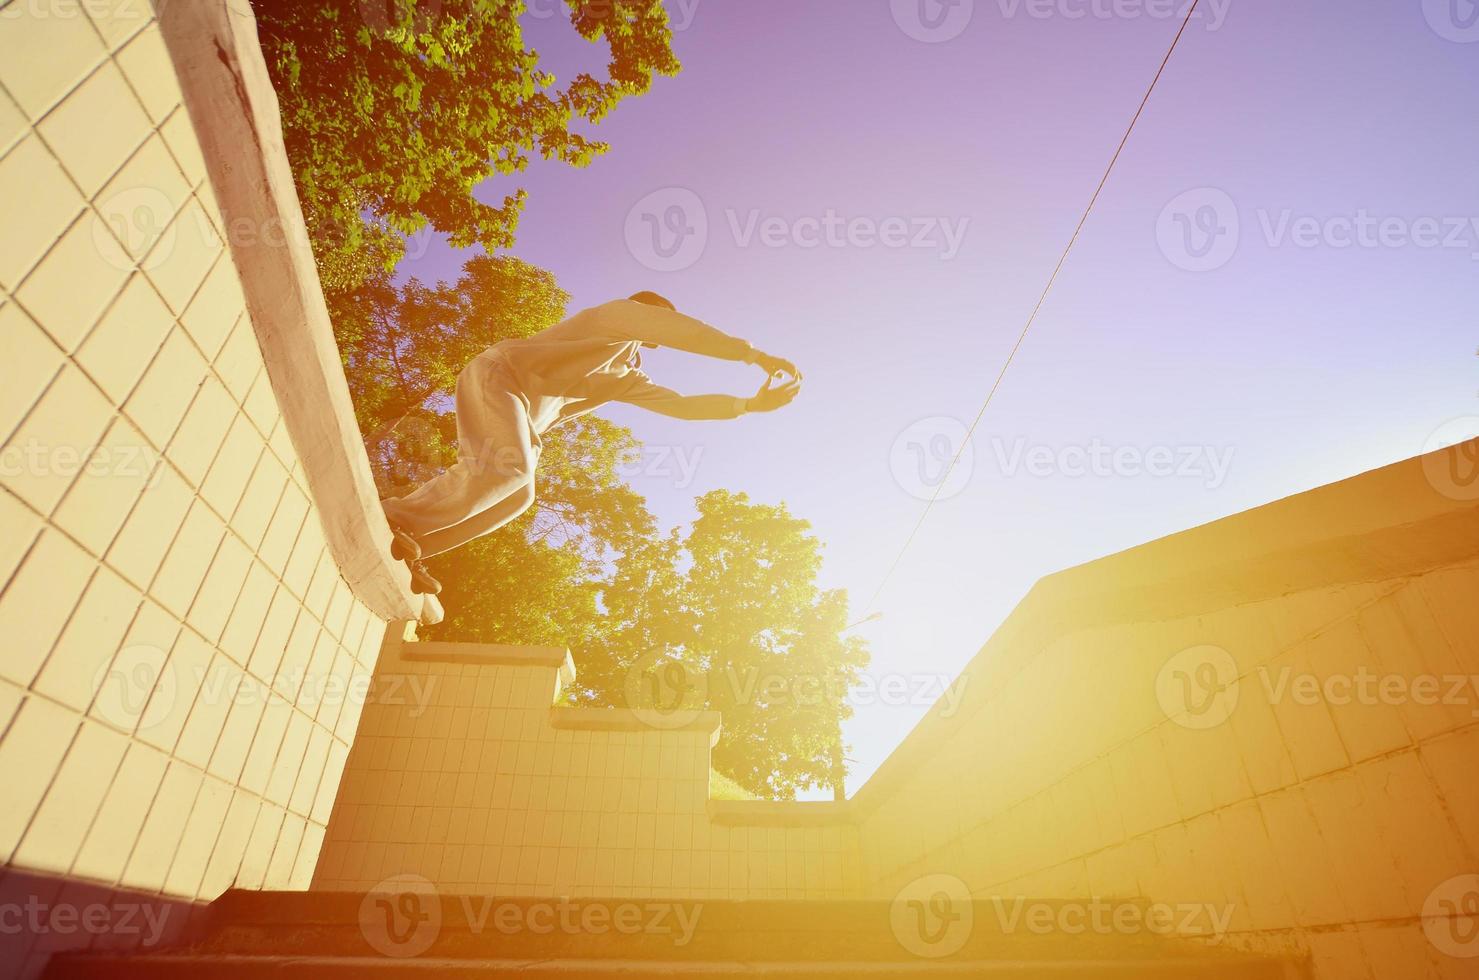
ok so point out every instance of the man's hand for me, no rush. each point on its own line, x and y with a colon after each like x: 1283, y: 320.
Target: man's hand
x: 768, y: 399
x: 777, y: 365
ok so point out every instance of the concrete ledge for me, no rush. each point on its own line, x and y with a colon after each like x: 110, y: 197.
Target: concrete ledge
x: 492, y: 655
x: 623, y: 720
x: 766, y: 813
x: 216, y: 54
x: 1403, y: 519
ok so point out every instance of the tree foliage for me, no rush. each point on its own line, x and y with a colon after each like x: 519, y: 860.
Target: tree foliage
x: 736, y: 606
x: 394, y: 111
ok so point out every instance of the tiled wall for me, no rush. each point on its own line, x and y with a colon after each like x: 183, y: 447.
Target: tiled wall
x: 180, y: 651
x: 1323, y: 826
x: 465, y: 775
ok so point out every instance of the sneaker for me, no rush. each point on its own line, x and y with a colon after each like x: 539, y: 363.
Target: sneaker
x: 422, y: 582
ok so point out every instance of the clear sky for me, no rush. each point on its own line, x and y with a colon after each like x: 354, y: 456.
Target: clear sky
x: 1279, y: 288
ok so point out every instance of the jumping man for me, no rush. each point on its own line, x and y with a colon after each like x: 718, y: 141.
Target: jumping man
x: 516, y: 390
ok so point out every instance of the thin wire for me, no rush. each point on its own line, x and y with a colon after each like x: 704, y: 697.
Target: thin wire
x: 1031, y: 320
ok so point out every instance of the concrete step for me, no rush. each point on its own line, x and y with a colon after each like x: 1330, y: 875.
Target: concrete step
x: 318, y: 934
x: 185, y: 967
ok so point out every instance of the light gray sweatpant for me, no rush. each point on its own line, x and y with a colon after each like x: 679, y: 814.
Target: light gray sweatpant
x: 492, y: 481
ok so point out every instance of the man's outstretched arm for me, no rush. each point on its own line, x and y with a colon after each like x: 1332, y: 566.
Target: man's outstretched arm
x: 665, y: 401
x: 667, y: 328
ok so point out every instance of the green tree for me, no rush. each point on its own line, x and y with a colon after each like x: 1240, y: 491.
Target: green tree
x: 394, y: 111
x: 753, y: 633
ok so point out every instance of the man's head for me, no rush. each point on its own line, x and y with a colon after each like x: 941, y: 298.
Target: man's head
x: 649, y: 298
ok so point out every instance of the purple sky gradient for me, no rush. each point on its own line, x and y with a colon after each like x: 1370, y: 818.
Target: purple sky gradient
x: 1305, y: 360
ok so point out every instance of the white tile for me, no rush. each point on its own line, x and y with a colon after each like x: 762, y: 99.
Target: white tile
x: 168, y: 387
x: 38, y: 202
x: 72, y: 674
x: 13, y: 124
x: 82, y: 274
x: 146, y: 62
x: 38, y: 602
x: 119, y: 20
x: 32, y: 359
x: 72, y: 801
x: 32, y: 749
x: 139, y: 205
x: 42, y: 57
x: 96, y: 128
x: 121, y: 346
x: 49, y: 450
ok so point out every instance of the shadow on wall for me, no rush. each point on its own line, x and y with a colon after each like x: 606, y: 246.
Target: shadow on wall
x: 42, y: 915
